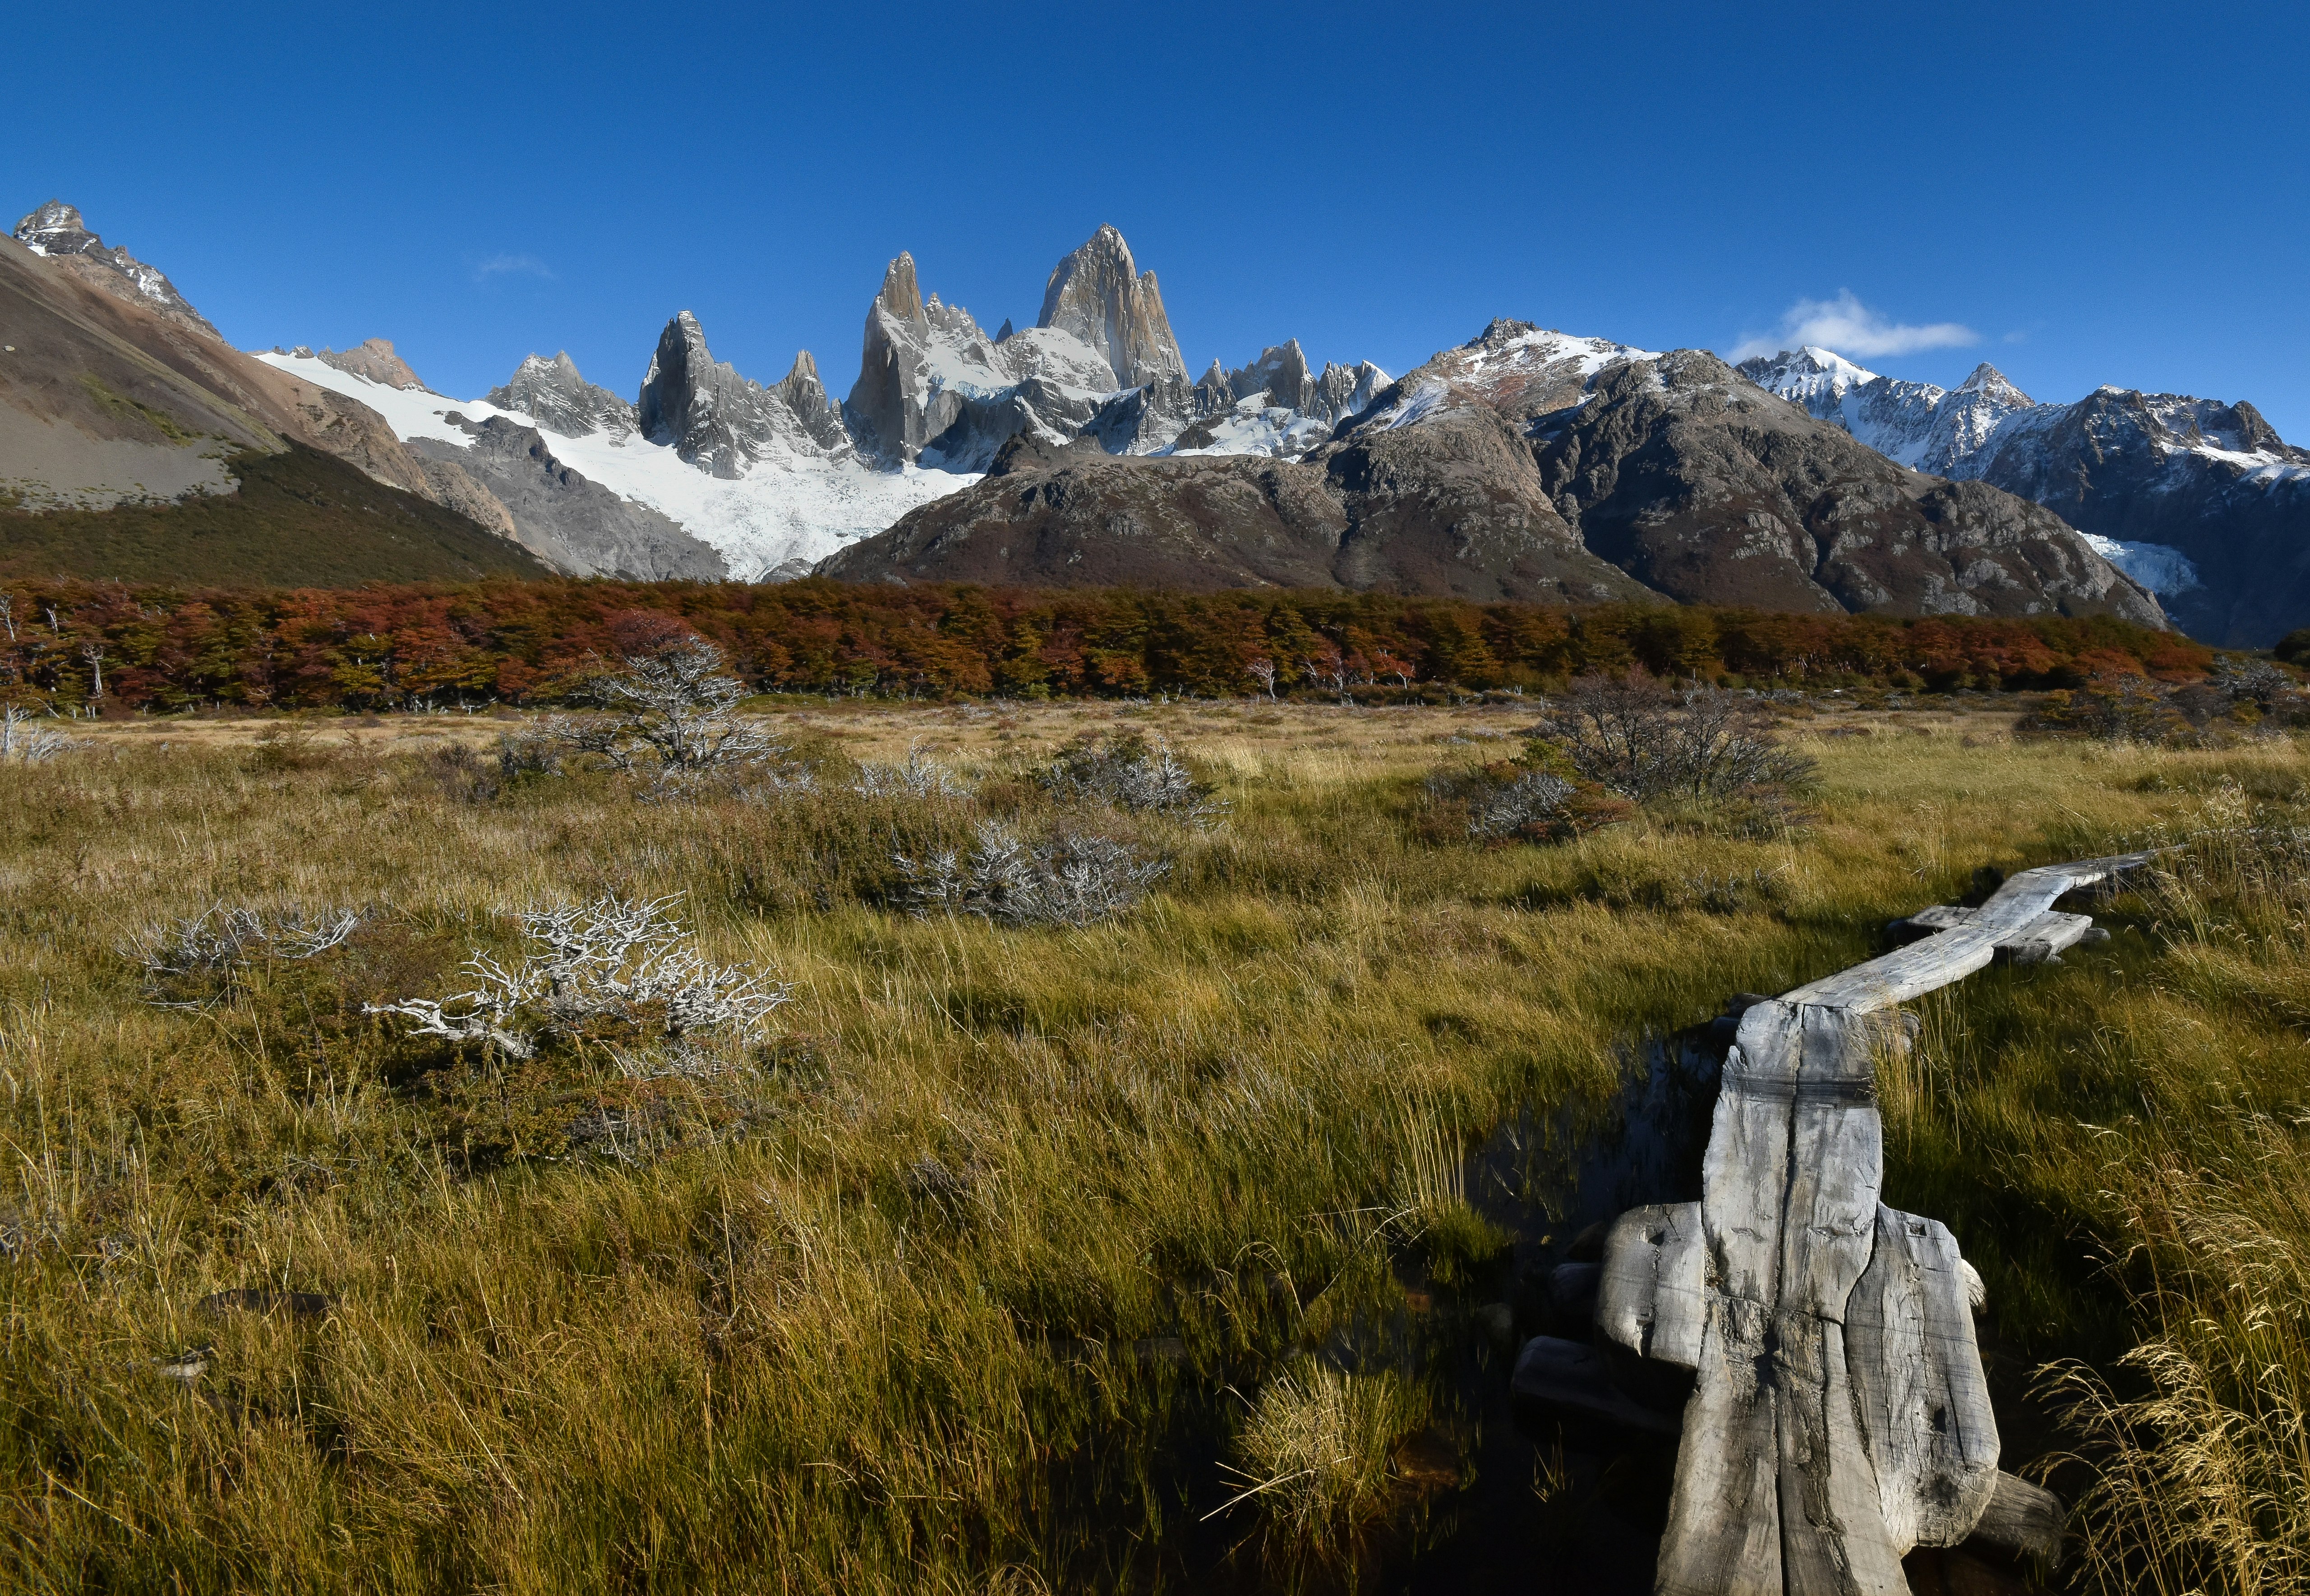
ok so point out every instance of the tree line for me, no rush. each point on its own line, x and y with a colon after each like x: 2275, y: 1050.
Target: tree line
x: 515, y: 642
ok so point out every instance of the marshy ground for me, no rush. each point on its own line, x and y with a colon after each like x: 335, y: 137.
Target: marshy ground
x: 1169, y: 1252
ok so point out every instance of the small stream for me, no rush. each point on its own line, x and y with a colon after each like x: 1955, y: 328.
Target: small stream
x: 1554, y: 1510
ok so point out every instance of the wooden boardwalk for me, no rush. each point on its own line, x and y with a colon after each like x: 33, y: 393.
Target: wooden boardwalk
x: 1839, y: 1415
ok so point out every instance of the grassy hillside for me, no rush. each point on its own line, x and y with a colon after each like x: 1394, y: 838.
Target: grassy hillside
x: 1018, y: 1254
x: 301, y: 520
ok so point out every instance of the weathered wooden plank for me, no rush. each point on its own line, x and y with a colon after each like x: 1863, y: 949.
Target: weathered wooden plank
x: 1958, y: 952
x: 1651, y: 1297
x: 1834, y: 1539
x: 2031, y: 892
x: 1910, y: 973
x: 1839, y: 1415
x: 2041, y: 939
x: 1723, y: 1531
x: 1833, y: 1542
x: 1917, y: 1383
x: 2024, y: 1518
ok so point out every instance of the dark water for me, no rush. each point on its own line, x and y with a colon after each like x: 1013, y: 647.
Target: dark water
x: 1551, y: 1509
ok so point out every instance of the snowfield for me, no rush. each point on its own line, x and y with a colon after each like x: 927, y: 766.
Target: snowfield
x: 2165, y: 571
x: 786, y: 515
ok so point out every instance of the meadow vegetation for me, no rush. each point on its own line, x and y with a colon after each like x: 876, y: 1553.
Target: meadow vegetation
x: 1127, y: 1250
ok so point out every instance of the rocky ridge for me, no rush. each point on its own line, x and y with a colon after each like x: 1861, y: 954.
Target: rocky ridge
x: 376, y: 360
x: 725, y: 423
x: 2200, y: 500
x: 572, y: 523
x: 57, y: 231
x: 560, y: 401
x: 1528, y: 464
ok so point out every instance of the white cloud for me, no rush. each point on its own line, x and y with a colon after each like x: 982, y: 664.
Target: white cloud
x: 1851, y: 328
x: 498, y: 265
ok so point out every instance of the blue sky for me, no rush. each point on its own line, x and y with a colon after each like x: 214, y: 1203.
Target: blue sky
x: 2080, y: 195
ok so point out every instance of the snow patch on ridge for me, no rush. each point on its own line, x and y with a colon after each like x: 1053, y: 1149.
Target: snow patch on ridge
x: 788, y: 513
x: 2165, y: 571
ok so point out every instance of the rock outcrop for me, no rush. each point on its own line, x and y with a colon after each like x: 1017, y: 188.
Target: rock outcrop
x: 1281, y: 380
x: 2200, y: 500
x: 1074, y: 515
x: 57, y: 231
x: 574, y: 525
x: 374, y: 359
x: 553, y: 395
x: 933, y: 389
x: 714, y: 418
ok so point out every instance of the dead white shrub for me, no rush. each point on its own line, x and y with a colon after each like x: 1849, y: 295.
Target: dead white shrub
x: 1135, y: 773
x: 1073, y: 878
x: 22, y: 742
x: 190, y: 958
x: 1523, y: 805
x: 916, y: 776
x: 614, y: 969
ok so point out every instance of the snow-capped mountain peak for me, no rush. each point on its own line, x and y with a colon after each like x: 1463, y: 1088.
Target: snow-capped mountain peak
x: 1808, y: 374
x: 1995, y: 387
x: 59, y: 232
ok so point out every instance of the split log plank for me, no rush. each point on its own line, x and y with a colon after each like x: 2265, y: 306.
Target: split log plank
x: 1917, y: 1382
x: 1651, y: 1298
x: 1723, y: 1531
x: 2024, y: 1518
x: 1834, y: 1538
x: 1954, y: 954
x: 1839, y: 1415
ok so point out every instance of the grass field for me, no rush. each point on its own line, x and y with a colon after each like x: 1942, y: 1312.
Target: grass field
x: 1018, y: 1255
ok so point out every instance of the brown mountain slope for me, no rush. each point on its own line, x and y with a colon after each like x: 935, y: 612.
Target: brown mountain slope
x: 1453, y: 513
x: 298, y: 518
x: 1685, y: 474
x: 89, y: 363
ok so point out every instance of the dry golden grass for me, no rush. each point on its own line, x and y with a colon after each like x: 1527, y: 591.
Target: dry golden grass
x: 952, y: 1290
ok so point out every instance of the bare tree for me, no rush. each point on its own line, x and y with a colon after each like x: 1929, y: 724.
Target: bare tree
x: 24, y: 744
x: 674, y: 707
x: 1641, y: 740
x: 1262, y: 670
x: 93, y: 654
x: 1331, y: 669
x: 616, y: 967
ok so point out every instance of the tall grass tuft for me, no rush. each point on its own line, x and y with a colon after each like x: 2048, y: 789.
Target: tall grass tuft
x: 1317, y: 1454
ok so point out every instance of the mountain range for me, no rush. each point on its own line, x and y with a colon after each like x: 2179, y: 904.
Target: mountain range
x: 2200, y: 501
x: 1525, y: 464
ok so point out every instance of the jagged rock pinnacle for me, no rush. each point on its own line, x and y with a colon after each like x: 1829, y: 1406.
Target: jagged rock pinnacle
x: 1099, y: 294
